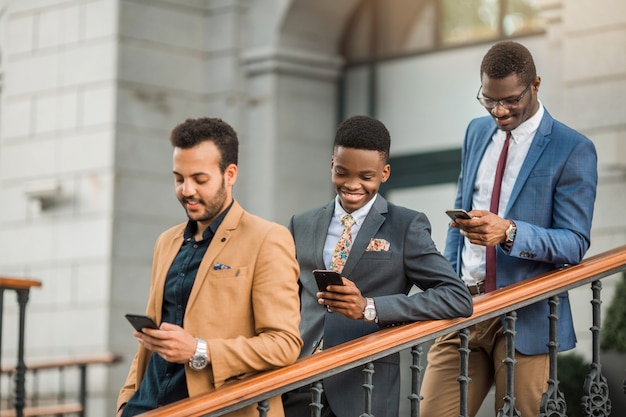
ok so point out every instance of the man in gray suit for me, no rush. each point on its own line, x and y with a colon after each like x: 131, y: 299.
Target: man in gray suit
x: 390, y: 250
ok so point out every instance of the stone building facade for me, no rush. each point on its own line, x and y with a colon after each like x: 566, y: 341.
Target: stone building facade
x: 92, y: 88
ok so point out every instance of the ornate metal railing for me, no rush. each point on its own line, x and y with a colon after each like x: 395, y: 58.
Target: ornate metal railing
x: 22, y: 289
x: 363, y: 351
x: 58, y: 401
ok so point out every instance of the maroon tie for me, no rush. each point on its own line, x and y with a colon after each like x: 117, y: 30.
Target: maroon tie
x: 490, y: 261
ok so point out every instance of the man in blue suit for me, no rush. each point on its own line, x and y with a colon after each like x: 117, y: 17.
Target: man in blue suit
x: 542, y: 222
x: 392, y: 251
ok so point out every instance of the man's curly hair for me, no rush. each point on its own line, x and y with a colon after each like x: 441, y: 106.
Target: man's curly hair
x: 506, y: 58
x: 363, y: 132
x: 194, y: 131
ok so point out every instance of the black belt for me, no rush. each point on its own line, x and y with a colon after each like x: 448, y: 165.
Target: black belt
x: 476, y: 289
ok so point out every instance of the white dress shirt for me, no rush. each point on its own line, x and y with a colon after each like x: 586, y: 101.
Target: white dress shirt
x: 335, y: 229
x: 473, y: 256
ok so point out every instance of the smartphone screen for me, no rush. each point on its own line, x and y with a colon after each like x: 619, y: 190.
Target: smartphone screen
x: 325, y: 277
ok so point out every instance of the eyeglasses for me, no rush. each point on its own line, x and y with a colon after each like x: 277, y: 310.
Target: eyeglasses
x: 509, y: 103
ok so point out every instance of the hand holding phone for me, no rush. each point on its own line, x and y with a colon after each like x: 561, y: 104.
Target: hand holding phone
x: 325, y: 277
x: 458, y: 214
x: 141, y: 321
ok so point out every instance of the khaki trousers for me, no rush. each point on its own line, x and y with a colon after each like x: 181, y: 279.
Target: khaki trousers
x: 441, y: 390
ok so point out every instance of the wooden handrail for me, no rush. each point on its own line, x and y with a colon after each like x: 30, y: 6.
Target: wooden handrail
x: 47, y: 410
x: 58, y: 364
x: 387, y: 341
x: 104, y: 358
x: 18, y: 283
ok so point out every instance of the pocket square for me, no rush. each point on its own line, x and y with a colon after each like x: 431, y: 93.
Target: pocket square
x: 219, y: 266
x: 378, y: 245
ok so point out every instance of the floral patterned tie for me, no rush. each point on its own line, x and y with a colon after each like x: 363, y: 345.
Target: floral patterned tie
x: 343, y: 245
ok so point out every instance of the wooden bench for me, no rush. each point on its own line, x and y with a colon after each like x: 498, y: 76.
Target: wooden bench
x: 62, y: 408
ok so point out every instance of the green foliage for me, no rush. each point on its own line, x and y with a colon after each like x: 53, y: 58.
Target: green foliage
x: 572, y: 370
x: 613, y: 334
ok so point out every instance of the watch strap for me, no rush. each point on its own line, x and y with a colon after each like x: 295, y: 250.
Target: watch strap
x: 369, y: 313
x: 199, y: 360
x: 511, y: 232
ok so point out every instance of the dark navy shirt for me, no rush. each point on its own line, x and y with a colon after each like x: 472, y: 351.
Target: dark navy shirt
x: 165, y: 382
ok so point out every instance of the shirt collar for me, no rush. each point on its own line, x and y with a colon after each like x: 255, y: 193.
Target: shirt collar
x: 358, y: 215
x: 526, y: 130
x: 209, y: 232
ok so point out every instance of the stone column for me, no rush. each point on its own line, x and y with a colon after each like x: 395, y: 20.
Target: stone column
x: 291, y: 119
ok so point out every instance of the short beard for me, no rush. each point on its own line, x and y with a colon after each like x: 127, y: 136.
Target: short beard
x: 211, y: 208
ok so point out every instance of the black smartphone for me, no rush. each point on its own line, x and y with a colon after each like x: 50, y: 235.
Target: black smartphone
x: 141, y: 321
x: 325, y: 277
x: 458, y: 214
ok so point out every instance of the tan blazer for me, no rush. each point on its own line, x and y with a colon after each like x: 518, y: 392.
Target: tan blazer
x: 248, y: 313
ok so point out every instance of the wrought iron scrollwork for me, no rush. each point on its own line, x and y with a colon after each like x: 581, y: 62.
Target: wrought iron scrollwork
x: 596, y: 400
x: 508, y: 409
x: 553, y: 402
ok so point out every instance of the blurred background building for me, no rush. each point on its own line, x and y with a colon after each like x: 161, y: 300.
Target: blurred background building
x: 92, y: 88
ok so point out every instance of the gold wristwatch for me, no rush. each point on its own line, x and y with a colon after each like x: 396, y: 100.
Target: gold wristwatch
x: 510, y: 232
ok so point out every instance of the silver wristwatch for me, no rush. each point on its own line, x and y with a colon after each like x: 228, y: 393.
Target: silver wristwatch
x: 369, y: 314
x: 199, y: 360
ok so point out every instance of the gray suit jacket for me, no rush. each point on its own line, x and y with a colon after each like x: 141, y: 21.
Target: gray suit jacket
x: 387, y: 276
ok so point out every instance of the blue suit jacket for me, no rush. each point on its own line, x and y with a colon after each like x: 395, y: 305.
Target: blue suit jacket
x: 552, y: 205
x: 387, y: 276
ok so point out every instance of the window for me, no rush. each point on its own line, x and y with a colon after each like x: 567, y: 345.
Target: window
x: 391, y: 28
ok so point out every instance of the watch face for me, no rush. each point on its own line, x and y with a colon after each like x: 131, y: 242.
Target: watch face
x: 510, y: 233
x: 198, y: 362
x: 369, y: 313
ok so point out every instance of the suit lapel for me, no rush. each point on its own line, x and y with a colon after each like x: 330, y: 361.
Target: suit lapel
x: 322, y: 221
x: 482, y: 139
x: 218, y: 243
x: 537, y: 147
x: 374, y: 219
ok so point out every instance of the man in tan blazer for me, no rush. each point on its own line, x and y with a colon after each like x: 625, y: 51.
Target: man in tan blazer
x: 224, y: 285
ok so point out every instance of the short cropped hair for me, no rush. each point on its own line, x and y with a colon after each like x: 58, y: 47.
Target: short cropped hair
x: 194, y: 131
x: 364, y: 132
x: 506, y: 58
